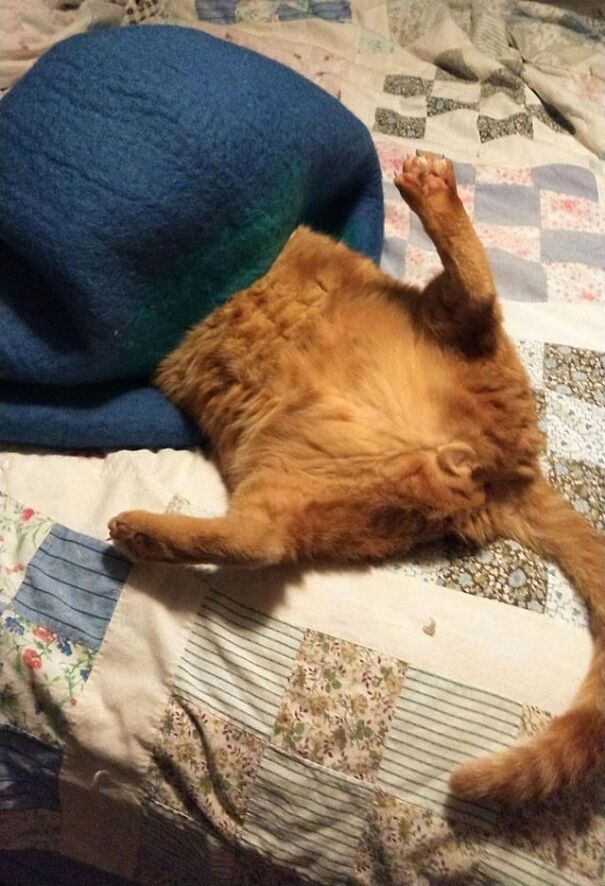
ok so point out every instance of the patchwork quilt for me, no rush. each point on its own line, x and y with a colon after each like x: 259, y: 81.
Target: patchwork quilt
x: 178, y: 726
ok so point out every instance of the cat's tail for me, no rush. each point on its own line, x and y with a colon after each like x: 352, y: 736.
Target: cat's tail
x: 572, y: 747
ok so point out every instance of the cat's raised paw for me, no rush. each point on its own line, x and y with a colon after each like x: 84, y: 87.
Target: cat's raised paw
x: 424, y: 177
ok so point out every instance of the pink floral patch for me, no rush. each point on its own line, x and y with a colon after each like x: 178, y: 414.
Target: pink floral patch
x: 420, y: 265
x: 523, y: 242
x: 500, y: 175
x: 562, y: 212
x: 45, y: 635
x: 574, y: 282
x: 591, y: 88
x: 22, y: 530
x: 390, y: 157
x: 31, y: 659
x: 396, y: 219
x: 467, y: 195
x: 16, y: 569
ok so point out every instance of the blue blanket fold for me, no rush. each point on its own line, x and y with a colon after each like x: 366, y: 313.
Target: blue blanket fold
x: 145, y: 175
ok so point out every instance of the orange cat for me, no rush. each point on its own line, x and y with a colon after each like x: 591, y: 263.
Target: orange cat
x: 354, y: 417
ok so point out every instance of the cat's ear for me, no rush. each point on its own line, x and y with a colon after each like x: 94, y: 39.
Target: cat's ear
x: 457, y: 459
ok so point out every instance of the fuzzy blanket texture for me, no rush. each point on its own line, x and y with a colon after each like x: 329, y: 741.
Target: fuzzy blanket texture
x: 146, y: 174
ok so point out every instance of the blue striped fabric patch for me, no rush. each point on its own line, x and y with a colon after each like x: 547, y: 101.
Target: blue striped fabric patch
x: 506, y: 864
x: 438, y: 724
x: 237, y: 662
x: 307, y: 818
x: 72, y: 585
x: 29, y: 772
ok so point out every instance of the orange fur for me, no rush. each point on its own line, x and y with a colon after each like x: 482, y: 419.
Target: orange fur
x: 354, y: 417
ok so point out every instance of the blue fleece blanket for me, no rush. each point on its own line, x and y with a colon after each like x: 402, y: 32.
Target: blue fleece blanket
x: 145, y: 175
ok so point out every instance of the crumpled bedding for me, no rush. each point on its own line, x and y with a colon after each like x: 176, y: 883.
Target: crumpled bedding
x: 278, y: 727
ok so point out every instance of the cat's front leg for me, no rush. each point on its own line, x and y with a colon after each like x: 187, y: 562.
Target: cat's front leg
x: 236, y: 539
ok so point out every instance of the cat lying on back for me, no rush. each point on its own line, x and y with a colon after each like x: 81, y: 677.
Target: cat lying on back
x: 354, y: 417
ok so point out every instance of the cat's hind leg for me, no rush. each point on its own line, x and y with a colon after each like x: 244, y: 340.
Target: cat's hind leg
x: 459, y: 305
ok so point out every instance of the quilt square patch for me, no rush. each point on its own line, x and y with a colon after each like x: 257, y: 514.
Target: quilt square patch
x: 237, y: 662
x: 398, y: 84
x: 29, y: 772
x: 565, y: 212
x: 22, y: 531
x: 307, y: 818
x: 437, y: 724
x: 568, y: 179
x: 577, y: 372
x: 421, y: 265
x: 42, y: 675
x: 581, y: 247
x: 392, y: 260
x: 72, y: 585
x: 504, y: 175
x: 399, y: 833
x: 576, y: 429
x: 563, y: 601
x: 503, y: 570
x: 30, y: 829
x: 505, y: 865
x: 532, y: 356
x: 507, y: 204
x: 392, y: 123
x: 583, y: 485
x: 396, y: 219
x: 518, y: 279
x: 256, y: 11
x: 203, y: 766
x: 491, y: 128
x: 523, y: 242
x: 338, y: 705
x: 173, y: 850
x: 574, y: 282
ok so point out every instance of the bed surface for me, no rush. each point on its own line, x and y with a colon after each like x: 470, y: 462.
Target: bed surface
x: 214, y: 726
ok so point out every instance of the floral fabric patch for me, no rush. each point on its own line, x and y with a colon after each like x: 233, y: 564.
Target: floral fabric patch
x: 403, y: 842
x: 22, y: 531
x: 338, y: 705
x: 203, y: 766
x: 42, y: 676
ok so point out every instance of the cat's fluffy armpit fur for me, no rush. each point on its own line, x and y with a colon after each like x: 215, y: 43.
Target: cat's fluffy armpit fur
x: 354, y: 417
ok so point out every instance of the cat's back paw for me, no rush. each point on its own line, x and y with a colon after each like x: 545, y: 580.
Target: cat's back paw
x: 425, y: 176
